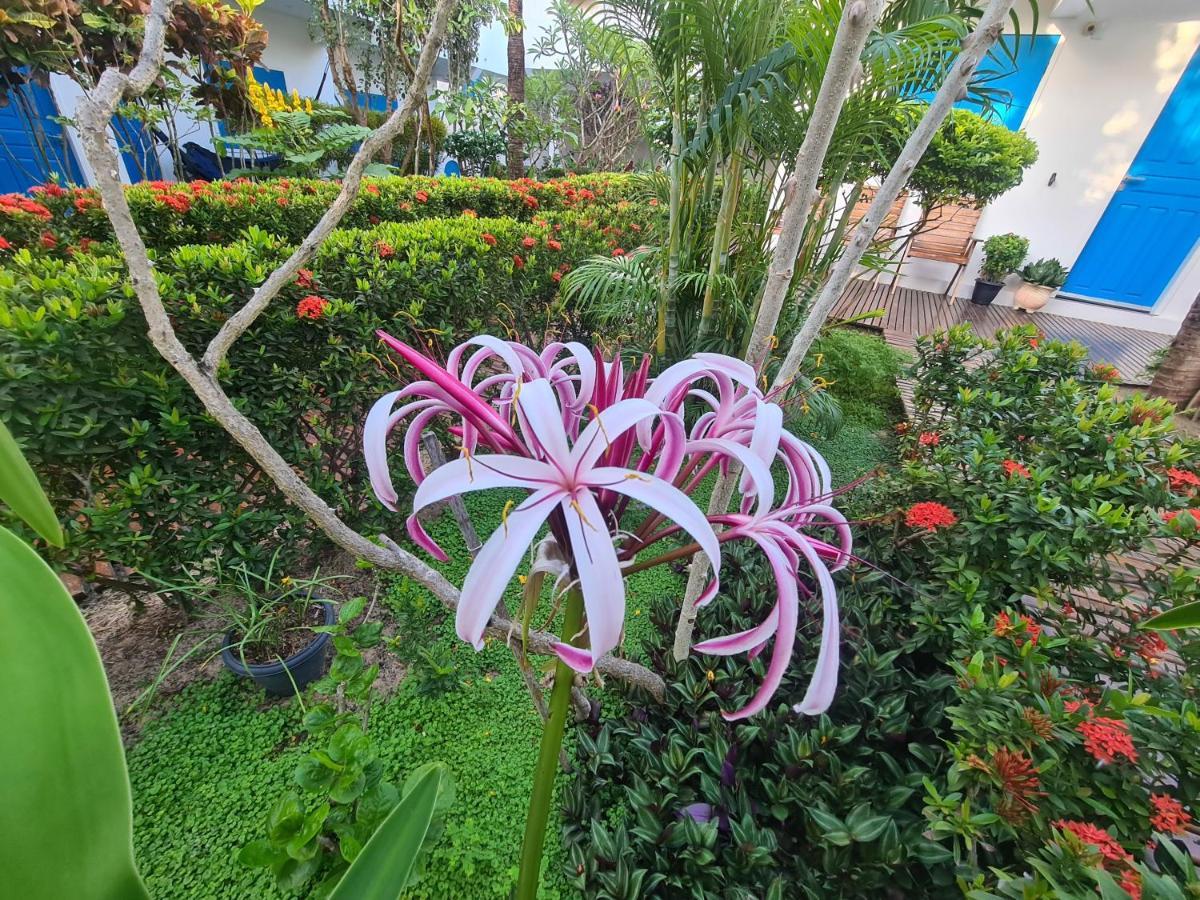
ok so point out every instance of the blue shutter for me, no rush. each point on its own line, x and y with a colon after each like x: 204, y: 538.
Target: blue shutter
x: 1020, y: 81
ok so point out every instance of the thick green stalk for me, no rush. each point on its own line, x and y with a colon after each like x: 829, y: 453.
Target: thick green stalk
x: 547, y: 763
x: 730, y: 192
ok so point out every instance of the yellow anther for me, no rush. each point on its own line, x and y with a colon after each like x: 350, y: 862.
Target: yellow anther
x: 820, y: 360
x: 508, y: 504
x: 773, y: 341
x: 595, y: 410
x: 467, y: 456
x: 636, y: 476
x: 578, y: 509
x: 710, y: 675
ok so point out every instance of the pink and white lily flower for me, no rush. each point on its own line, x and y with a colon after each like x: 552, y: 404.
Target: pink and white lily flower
x: 585, y: 438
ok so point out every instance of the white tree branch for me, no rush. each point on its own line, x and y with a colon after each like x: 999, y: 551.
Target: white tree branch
x: 858, y: 21
x: 975, y: 47
x: 95, y: 111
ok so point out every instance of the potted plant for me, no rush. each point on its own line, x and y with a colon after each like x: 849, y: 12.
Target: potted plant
x: 1002, y: 255
x: 272, y: 627
x: 1040, y: 280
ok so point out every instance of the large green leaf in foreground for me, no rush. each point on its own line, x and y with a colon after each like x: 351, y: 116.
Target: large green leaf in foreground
x: 66, y: 822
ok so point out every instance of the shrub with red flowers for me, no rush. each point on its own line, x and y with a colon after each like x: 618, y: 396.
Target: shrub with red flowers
x: 312, y: 307
x: 930, y: 516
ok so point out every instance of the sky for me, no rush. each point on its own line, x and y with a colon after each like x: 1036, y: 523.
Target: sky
x: 493, y: 42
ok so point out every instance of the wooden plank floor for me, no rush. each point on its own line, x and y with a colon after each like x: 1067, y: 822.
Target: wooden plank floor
x: 912, y: 313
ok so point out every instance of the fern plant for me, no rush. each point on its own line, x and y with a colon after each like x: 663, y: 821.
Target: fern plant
x: 305, y: 143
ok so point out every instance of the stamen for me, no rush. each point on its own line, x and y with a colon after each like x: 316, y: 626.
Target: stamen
x: 508, y: 505
x: 595, y: 410
x: 579, y: 511
x: 466, y: 454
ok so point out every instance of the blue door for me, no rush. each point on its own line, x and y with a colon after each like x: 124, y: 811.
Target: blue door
x: 33, y: 147
x: 1153, y: 221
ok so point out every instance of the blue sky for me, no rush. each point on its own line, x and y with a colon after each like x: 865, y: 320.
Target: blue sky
x: 493, y: 43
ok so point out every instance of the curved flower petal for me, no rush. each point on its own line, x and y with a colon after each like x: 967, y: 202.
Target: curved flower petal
x: 787, y: 605
x: 498, y: 559
x: 759, y: 475
x: 821, y: 688
x: 375, y: 434
x: 600, y: 578
x: 764, y: 442
x: 541, y: 421
x: 743, y: 641
x: 668, y: 500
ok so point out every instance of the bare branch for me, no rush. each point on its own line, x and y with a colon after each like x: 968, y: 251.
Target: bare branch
x: 975, y: 47
x: 95, y: 111
x: 235, y: 326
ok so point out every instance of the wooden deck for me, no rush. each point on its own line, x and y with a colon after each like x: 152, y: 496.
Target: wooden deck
x: 912, y: 313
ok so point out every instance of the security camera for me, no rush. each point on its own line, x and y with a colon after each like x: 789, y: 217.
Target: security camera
x: 1091, y: 29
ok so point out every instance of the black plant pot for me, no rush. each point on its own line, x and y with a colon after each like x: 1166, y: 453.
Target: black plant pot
x: 277, y: 678
x: 985, y: 291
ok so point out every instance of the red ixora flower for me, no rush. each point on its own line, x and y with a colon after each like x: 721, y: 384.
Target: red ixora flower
x: 1012, y: 467
x: 553, y: 244
x: 618, y: 252
x: 1151, y: 647
x: 1018, y: 779
x: 556, y: 277
x: 530, y: 201
x: 1106, y: 739
x: 385, y: 250
x: 1105, y: 372
x: 1181, y: 480
x: 1104, y: 842
x: 489, y: 239
x: 421, y: 196
x: 930, y: 515
x: 528, y: 242
x: 4, y: 244
x: 929, y: 439
x: 49, y: 241
x: 312, y: 307
x: 1168, y: 814
x: 470, y: 214
x: 518, y: 261
x: 1005, y: 627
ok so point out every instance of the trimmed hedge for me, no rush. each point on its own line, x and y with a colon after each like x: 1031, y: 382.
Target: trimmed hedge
x: 150, y: 481
x: 171, y: 214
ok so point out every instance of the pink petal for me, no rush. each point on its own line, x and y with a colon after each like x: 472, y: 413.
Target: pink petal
x: 498, y: 559
x: 375, y: 435
x: 743, y: 641
x: 542, y: 423
x: 764, y: 442
x: 479, y: 473
x: 821, y: 689
x: 759, y: 475
x: 600, y: 579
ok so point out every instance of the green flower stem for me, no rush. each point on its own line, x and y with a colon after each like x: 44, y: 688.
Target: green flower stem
x: 547, y: 764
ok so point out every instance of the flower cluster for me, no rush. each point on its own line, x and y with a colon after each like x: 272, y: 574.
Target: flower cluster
x: 1182, y: 481
x: 266, y: 101
x: 1012, y: 467
x: 1106, y: 739
x: 930, y: 516
x: 1168, y: 814
x: 929, y: 439
x: 312, y: 307
x: 1110, y: 851
x: 585, y: 437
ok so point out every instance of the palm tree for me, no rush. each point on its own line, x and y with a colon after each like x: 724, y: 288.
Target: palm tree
x: 516, y: 88
x: 1178, y: 378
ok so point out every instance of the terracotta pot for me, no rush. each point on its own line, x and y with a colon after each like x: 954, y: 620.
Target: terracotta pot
x: 1032, y: 297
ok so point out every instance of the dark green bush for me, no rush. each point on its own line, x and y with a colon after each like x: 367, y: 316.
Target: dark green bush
x: 149, y: 480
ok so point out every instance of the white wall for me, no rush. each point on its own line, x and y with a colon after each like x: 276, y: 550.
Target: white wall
x: 1096, y: 104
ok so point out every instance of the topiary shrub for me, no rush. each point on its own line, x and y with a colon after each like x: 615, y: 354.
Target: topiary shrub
x: 150, y: 481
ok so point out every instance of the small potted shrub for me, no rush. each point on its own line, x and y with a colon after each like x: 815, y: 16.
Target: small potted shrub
x: 1040, y: 280
x: 1002, y: 255
x: 273, y: 627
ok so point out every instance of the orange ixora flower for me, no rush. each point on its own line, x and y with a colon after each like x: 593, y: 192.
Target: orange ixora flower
x: 385, y: 250
x: 422, y: 196
x: 929, y: 439
x: 1012, y: 467
x: 1105, y: 372
x: 930, y: 516
x: 489, y: 239
x: 518, y: 262
x: 1173, y: 514
x: 1168, y: 814
x: 553, y: 244
x: 1105, y: 843
x: 1017, y: 777
x: 528, y: 242
x: 1106, y: 739
x: 312, y: 307
x: 1182, y: 481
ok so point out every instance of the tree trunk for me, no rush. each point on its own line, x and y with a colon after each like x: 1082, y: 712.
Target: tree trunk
x: 1178, y: 379
x: 516, y: 89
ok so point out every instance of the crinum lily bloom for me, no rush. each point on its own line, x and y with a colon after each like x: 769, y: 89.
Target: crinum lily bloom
x: 585, y: 438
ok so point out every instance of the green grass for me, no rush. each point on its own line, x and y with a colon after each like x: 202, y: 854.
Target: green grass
x: 206, y: 772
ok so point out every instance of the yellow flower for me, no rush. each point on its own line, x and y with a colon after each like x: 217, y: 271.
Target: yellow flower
x: 308, y: 107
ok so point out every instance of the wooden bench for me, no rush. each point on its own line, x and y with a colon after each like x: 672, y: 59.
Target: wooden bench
x: 948, y: 236
x: 891, y: 221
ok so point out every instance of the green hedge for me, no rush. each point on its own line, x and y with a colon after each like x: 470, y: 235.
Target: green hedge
x: 170, y: 214
x: 150, y: 481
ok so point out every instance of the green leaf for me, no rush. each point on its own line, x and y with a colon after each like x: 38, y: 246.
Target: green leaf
x: 383, y: 869
x: 66, y: 823
x: 19, y: 488
x: 1185, y: 616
